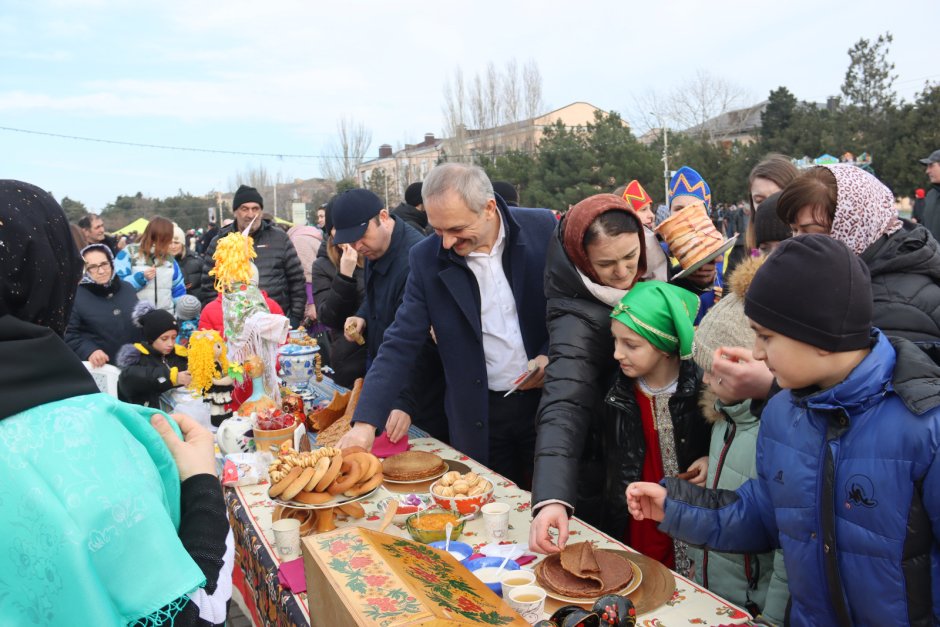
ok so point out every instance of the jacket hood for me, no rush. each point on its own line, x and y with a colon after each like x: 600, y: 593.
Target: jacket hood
x: 910, y: 250
x: 893, y: 365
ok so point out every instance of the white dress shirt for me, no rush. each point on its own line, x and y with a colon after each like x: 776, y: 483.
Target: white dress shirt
x: 502, y: 339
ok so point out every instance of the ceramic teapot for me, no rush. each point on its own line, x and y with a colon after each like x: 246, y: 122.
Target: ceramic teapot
x: 235, y: 435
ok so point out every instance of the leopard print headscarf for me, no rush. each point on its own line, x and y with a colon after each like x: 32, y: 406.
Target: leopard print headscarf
x: 864, y: 208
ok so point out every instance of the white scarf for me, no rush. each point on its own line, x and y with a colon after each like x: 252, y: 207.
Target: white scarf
x: 607, y: 295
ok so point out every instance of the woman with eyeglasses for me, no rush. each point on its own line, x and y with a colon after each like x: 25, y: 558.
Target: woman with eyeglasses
x: 100, y: 322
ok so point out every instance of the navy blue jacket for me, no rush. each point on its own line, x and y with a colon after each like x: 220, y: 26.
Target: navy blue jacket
x: 848, y: 485
x: 442, y: 293
x: 101, y: 319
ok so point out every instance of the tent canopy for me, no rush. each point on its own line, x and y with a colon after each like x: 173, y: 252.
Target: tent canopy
x: 137, y: 225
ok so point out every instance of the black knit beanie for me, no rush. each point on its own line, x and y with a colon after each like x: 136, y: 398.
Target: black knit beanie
x: 815, y: 290
x: 768, y: 227
x: 413, y: 194
x: 246, y: 194
x: 153, y: 322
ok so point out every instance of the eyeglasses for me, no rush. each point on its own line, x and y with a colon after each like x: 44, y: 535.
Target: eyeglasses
x: 98, y: 267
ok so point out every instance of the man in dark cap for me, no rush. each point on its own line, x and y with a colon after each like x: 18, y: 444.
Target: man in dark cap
x: 931, y: 209
x: 507, y: 191
x: 360, y: 220
x: 279, y: 271
x: 411, y: 210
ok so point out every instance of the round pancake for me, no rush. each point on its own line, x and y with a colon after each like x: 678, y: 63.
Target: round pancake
x: 615, y: 574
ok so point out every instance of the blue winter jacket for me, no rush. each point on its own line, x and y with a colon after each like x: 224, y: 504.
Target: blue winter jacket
x: 849, y: 486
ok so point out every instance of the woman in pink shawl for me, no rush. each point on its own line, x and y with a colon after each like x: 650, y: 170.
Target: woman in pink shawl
x: 852, y: 206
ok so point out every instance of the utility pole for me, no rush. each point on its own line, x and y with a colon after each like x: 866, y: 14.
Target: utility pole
x: 666, y: 166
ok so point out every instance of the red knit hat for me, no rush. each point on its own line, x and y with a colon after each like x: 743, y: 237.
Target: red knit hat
x: 636, y: 196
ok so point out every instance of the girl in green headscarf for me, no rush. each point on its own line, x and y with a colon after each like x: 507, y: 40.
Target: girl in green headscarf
x: 657, y: 426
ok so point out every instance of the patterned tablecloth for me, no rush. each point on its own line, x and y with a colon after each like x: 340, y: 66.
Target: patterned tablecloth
x: 250, y: 511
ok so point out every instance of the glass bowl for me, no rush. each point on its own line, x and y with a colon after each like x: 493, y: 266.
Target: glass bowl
x: 420, y: 533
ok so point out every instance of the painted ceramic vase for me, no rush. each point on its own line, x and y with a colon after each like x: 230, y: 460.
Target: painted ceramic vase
x: 298, y: 364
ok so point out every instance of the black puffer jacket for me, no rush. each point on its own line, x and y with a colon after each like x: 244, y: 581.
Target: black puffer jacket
x: 413, y: 216
x: 101, y: 319
x: 279, y: 270
x: 905, y: 284
x: 191, y: 264
x: 568, y: 456
x: 626, y: 446
x: 337, y: 297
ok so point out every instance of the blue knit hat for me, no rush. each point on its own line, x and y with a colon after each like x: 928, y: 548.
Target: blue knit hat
x: 688, y: 182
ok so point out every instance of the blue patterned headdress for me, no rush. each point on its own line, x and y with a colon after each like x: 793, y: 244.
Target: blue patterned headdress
x: 688, y: 182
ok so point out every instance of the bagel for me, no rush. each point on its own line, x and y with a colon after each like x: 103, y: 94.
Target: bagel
x: 313, y: 498
x: 353, y: 449
x: 352, y: 509
x: 336, y: 464
x: 319, y: 470
x: 350, y: 474
x: 298, y: 484
x: 288, y: 479
x: 368, y: 462
x: 366, y: 486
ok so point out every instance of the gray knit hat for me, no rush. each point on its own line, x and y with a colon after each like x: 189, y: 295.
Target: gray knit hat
x: 725, y: 324
x: 188, y: 307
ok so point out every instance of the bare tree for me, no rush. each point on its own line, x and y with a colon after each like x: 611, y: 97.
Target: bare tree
x: 258, y: 177
x: 511, y: 91
x: 532, y: 89
x: 348, y: 150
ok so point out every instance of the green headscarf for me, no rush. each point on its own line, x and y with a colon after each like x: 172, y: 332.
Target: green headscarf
x: 662, y: 314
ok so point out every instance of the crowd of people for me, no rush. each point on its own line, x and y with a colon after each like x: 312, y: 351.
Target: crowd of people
x: 748, y: 394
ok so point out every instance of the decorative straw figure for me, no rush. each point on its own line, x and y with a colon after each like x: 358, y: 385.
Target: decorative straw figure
x: 211, y: 372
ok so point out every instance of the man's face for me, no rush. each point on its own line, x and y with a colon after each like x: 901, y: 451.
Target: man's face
x: 321, y: 218
x: 705, y: 276
x: 462, y: 229
x: 378, y: 237
x: 933, y: 172
x: 95, y: 233
x: 245, y: 214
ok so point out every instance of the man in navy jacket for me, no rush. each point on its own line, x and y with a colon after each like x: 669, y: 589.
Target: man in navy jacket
x: 477, y: 283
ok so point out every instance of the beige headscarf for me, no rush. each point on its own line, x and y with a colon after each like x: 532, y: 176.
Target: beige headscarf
x: 864, y: 208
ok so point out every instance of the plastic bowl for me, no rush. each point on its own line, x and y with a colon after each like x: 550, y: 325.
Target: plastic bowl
x: 460, y: 551
x: 464, y: 504
x: 491, y: 562
x: 427, y: 536
x: 406, y: 509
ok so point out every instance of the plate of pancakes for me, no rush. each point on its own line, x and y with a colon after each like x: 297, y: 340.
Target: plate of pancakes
x: 413, y: 467
x: 582, y: 573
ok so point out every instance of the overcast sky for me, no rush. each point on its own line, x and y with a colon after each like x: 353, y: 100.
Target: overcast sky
x: 274, y: 76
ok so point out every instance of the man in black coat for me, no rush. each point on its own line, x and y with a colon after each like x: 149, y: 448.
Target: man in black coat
x: 385, y: 241
x: 411, y: 210
x: 931, y: 210
x: 279, y: 271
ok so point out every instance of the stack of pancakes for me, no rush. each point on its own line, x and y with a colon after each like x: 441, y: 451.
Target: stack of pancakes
x: 582, y: 572
x: 413, y: 466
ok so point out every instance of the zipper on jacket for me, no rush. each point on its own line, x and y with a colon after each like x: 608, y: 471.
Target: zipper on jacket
x: 830, y: 558
x: 729, y: 438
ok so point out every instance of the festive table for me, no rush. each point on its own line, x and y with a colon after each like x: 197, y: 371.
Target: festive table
x: 250, y: 511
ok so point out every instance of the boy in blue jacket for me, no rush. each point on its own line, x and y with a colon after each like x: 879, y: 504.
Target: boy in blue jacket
x: 848, y: 478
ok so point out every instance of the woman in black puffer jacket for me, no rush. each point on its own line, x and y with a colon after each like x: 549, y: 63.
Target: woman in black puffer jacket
x: 569, y: 466
x: 337, y: 295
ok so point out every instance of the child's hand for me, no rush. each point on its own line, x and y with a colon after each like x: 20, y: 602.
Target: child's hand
x: 646, y: 501
x: 184, y: 378
x: 700, y: 469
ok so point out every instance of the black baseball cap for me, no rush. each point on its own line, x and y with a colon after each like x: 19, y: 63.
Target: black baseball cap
x: 933, y: 158
x: 351, y: 212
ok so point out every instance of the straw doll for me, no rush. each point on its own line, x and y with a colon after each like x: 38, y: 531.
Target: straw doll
x: 213, y: 376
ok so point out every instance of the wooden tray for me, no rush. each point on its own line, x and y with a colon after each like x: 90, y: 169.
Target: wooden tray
x: 657, y: 587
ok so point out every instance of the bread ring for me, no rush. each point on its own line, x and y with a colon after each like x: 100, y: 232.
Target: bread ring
x: 350, y: 473
x: 352, y: 509
x: 349, y: 450
x: 282, y: 485
x: 319, y: 471
x: 294, y: 488
x: 336, y: 464
x: 365, y: 463
x: 367, y: 486
x: 313, y: 498
x: 376, y: 464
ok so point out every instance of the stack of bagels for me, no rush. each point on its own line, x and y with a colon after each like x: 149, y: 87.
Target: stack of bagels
x: 325, y: 475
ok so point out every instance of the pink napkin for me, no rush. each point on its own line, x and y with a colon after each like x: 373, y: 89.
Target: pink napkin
x: 383, y: 448
x: 291, y: 575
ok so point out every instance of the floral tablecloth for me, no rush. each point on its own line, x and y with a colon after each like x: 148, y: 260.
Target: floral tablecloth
x: 250, y: 511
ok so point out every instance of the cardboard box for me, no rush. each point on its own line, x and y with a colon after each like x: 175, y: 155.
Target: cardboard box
x: 358, y: 576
